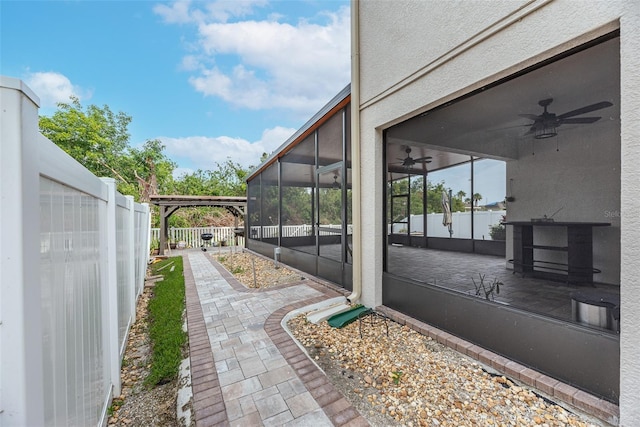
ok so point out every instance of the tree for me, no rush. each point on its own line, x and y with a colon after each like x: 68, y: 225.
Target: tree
x: 476, y: 198
x: 434, y: 196
x: 152, y: 170
x: 229, y: 179
x: 296, y: 205
x: 457, y: 205
x: 99, y: 140
x: 95, y: 137
x: 193, y: 184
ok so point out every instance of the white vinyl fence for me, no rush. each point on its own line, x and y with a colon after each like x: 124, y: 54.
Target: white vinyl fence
x: 461, y: 224
x: 191, y: 237
x: 73, y: 256
x: 271, y: 231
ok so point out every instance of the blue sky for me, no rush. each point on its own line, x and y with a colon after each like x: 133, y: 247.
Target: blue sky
x: 211, y: 79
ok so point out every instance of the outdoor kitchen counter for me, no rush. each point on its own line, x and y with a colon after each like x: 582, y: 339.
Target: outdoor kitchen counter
x: 579, y: 267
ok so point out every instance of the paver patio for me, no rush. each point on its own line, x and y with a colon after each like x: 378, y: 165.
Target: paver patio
x: 246, y: 370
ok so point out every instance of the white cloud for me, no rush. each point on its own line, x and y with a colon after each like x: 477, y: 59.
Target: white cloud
x: 177, y: 13
x: 274, y: 138
x: 266, y: 64
x: 190, y: 63
x: 257, y: 64
x: 224, y: 10
x: 201, y: 152
x: 181, y: 12
x: 52, y: 87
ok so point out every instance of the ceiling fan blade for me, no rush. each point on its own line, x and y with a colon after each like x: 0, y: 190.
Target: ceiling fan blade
x: 529, y: 116
x: 507, y: 127
x: 426, y: 159
x: 580, y: 120
x: 587, y: 109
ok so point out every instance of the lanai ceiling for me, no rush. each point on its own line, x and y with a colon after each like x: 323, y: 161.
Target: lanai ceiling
x: 488, y: 124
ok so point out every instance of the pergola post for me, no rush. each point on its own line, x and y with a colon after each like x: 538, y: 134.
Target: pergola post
x: 165, y: 213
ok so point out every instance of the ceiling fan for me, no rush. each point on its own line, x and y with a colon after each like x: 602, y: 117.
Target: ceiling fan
x: 545, y: 124
x: 409, y: 161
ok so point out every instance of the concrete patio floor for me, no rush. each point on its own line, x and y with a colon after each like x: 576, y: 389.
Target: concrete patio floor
x: 457, y: 271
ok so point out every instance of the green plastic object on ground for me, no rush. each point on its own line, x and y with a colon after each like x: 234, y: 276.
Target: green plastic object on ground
x: 343, y: 319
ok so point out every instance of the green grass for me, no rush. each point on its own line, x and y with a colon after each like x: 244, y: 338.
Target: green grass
x: 165, y: 323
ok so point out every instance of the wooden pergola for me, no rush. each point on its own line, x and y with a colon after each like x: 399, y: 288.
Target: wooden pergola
x: 168, y: 204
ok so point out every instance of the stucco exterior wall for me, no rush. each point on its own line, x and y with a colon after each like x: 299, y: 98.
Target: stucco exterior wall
x: 630, y: 217
x: 414, y: 56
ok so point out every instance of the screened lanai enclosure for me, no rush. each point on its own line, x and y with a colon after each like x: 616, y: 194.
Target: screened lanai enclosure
x: 299, y: 200
x: 516, y: 183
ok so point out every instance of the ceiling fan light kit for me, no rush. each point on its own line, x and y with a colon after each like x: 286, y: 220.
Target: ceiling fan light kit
x: 545, y: 132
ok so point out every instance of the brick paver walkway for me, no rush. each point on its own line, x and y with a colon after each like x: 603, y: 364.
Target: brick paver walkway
x: 245, y: 368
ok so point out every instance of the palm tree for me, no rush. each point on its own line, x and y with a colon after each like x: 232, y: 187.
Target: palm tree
x: 476, y: 198
x: 460, y: 194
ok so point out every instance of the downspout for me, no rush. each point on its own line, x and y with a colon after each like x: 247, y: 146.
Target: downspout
x: 355, y: 152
